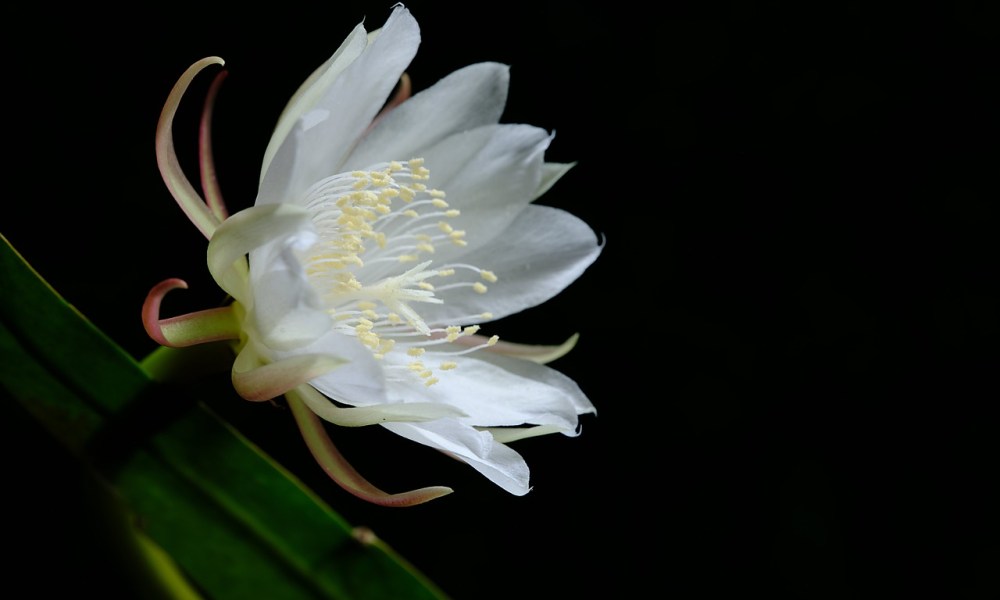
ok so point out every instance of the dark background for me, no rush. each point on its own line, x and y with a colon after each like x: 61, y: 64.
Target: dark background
x: 791, y: 337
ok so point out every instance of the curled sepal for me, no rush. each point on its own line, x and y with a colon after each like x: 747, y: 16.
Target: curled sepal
x: 209, y: 181
x: 166, y: 158
x: 505, y: 435
x: 343, y: 474
x: 359, y: 416
x: 540, y: 354
x: 257, y: 382
x: 200, y: 327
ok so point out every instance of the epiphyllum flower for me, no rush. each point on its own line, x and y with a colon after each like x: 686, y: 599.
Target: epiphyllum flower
x: 383, y: 236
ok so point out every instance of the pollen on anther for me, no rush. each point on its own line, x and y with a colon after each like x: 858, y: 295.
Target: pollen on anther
x: 486, y: 315
x: 425, y: 286
x: 454, y: 212
x: 479, y: 288
x: 448, y: 365
x: 415, y: 351
x: 488, y: 276
x: 493, y: 340
x: 431, y: 381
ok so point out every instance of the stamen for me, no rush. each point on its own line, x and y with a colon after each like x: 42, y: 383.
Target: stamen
x: 368, y: 221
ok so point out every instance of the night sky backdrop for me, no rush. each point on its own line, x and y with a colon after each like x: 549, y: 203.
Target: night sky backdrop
x: 791, y: 337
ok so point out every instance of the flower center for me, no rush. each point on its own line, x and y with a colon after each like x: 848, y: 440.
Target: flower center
x: 377, y: 231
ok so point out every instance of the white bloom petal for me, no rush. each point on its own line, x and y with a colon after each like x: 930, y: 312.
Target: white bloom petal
x: 312, y: 88
x: 502, y: 465
x: 334, y: 123
x: 360, y: 382
x: 543, y: 251
x: 466, y: 99
x: 496, y: 391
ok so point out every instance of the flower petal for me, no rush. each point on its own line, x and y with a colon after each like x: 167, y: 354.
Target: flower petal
x: 465, y: 99
x: 499, y: 463
x: 330, y: 128
x: 360, y: 383
x: 541, y: 253
x: 312, y: 89
x: 495, y: 390
x: 490, y: 174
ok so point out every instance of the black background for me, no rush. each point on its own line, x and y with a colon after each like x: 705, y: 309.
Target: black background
x: 791, y: 336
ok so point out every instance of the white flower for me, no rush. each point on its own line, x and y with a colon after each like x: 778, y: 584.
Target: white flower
x: 382, y: 238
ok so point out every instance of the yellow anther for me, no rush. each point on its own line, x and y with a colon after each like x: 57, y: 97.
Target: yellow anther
x: 493, y: 340
x: 393, y: 318
x: 436, y: 193
x: 383, y: 209
x: 380, y: 239
x: 406, y: 194
x: 470, y: 330
x: 366, y: 305
x: 445, y: 227
x: 446, y: 272
x: 359, y: 174
x: 486, y: 315
x: 439, y: 203
x: 488, y: 276
x: 415, y: 163
x: 454, y: 212
x: 387, y: 346
x: 425, y: 374
x: 431, y: 381
x: 420, y: 187
x: 415, y: 351
x: 371, y: 314
x: 449, y: 365
x: 395, y: 166
x: 416, y: 366
x: 411, y: 213
x: 425, y: 247
x: 407, y: 258
x: 425, y: 286
x: 479, y: 288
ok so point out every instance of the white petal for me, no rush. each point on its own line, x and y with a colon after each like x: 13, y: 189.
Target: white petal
x: 502, y: 465
x: 539, y: 255
x: 333, y: 125
x: 360, y: 382
x: 286, y: 312
x: 466, y: 99
x: 497, y: 391
x: 490, y: 174
x: 312, y: 88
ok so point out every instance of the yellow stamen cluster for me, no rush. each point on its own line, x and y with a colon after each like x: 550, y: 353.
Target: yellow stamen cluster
x: 366, y: 221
